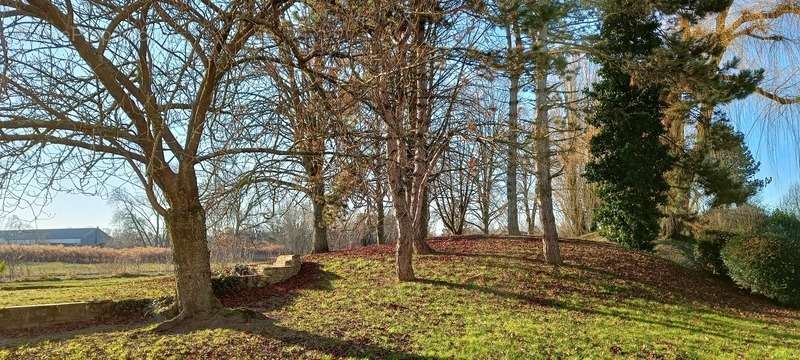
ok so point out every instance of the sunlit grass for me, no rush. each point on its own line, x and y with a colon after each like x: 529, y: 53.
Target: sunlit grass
x: 60, y: 291
x: 477, y: 306
x: 44, y: 270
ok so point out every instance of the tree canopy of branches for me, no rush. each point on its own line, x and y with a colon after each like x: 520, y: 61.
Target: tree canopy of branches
x: 92, y: 86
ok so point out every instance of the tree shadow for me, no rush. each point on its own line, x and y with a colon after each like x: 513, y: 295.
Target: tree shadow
x: 548, y: 302
x: 329, y: 345
x: 310, y: 277
x: 648, y: 277
x: 557, y: 304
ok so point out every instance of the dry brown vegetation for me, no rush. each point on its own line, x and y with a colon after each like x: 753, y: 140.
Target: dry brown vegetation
x: 15, y: 254
x: 82, y: 254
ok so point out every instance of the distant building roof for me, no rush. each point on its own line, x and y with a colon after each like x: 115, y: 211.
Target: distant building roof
x: 79, y: 236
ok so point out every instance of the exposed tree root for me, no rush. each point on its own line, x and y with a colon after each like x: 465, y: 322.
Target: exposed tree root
x: 221, y: 318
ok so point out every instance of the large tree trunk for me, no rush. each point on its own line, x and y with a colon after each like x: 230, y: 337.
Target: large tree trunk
x: 320, y: 226
x: 396, y: 164
x: 314, y: 165
x: 187, y: 229
x: 513, y: 133
x: 544, y: 188
x: 404, y: 248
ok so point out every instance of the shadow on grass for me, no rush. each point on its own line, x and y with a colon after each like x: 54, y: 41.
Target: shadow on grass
x: 705, y: 328
x: 648, y: 277
x: 307, y: 341
x: 275, y: 337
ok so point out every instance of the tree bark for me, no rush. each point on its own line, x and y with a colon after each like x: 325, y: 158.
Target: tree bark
x: 514, y: 51
x: 396, y: 164
x: 320, y: 226
x: 187, y: 228
x: 532, y: 218
x: 380, y: 216
x: 530, y: 212
x: 529, y: 204
x: 544, y: 188
x: 421, y: 245
x: 314, y: 168
x: 404, y: 247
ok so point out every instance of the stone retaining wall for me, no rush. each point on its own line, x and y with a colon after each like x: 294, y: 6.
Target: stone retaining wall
x: 31, y: 316
x: 21, y: 317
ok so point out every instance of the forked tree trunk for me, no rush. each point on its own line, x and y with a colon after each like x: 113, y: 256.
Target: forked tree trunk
x: 544, y: 188
x: 532, y: 216
x: 399, y: 191
x: 529, y: 204
x: 187, y: 229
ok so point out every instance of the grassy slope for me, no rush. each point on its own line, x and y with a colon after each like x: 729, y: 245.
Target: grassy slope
x: 483, y: 299
x: 58, y: 291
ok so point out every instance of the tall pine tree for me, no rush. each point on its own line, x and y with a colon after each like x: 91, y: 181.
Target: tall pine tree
x: 629, y: 157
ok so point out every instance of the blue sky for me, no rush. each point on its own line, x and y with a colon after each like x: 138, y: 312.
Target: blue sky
x: 773, y: 140
x: 71, y: 210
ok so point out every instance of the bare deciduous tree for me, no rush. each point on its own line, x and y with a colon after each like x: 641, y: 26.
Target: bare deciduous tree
x: 91, y: 86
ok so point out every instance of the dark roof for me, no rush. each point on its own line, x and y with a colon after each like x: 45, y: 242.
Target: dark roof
x: 87, y: 235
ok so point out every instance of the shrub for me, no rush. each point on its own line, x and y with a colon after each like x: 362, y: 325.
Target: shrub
x: 768, y: 263
x: 2, y: 267
x: 708, y: 248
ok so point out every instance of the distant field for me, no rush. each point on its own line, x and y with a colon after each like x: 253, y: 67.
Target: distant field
x: 42, y: 262
x: 35, y: 271
x: 59, y: 291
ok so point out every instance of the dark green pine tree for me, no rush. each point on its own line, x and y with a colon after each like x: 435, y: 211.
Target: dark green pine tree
x: 629, y: 157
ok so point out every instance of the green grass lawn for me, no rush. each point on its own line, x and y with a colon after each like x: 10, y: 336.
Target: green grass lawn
x: 59, y: 291
x: 35, y: 271
x: 486, y: 299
